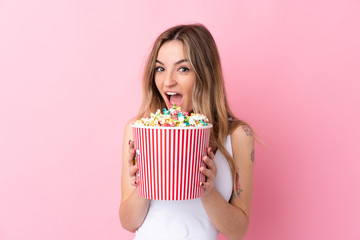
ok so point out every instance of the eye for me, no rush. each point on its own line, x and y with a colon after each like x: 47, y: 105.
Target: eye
x: 184, y: 69
x: 159, y: 69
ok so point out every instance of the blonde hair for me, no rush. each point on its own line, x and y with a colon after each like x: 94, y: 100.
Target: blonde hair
x: 209, y: 95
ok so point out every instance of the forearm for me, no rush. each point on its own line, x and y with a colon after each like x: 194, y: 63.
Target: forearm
x: 133, y: 211
x: 227, y: 219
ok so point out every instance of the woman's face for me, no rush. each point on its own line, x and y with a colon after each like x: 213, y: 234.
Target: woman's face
x: 174, y: 77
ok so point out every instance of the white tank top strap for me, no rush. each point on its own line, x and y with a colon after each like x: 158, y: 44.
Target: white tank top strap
x: 228, y: 146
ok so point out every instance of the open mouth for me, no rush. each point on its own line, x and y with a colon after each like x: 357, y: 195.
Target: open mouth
x: 174, y: 98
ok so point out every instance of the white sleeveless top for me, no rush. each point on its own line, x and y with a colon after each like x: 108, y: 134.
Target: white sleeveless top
x: 187, y: 219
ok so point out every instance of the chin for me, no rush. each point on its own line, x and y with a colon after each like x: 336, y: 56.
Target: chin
x: 185, y: 109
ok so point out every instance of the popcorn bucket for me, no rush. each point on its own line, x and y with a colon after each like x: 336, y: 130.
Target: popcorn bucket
x: 169, y: 160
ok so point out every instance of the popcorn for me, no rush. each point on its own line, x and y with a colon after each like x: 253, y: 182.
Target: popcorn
x: 173, y: 117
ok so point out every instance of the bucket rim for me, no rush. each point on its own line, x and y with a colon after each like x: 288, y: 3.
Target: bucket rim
x: 202, y: 127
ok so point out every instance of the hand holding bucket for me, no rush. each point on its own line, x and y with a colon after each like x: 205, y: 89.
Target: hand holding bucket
x: 169, y: 159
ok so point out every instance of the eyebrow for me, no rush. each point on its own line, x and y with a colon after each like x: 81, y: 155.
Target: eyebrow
x: 178, y: 62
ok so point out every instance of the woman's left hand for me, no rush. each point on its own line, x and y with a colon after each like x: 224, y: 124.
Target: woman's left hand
x: 209, y: 172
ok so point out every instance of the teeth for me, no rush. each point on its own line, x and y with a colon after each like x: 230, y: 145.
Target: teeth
x: 171, y: 93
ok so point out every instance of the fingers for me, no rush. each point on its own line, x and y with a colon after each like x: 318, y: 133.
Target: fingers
x: 209, y: 163
x: 209, y: 160
x: 210, y: 153
x: 132, y: 170
x: 131, y: 153
x: 131, y: 157
x: 209, y: 174
x: 134, y: 182
x: 209, y: 171
x: 131, y: 145
x: 206, y: 185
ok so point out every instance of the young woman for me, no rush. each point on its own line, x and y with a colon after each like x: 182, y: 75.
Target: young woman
x: 184, y: 68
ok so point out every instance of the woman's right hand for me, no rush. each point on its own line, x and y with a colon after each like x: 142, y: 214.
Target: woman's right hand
x: 133, y: 167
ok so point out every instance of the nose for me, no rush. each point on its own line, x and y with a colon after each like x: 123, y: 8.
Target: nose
x: 170, y: 79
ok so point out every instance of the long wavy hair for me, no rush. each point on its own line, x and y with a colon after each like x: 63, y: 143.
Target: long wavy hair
x: 208, y: 96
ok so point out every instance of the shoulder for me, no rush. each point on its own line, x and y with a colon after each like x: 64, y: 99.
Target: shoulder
x: 131, y: 121
x: 242, y: 134
x: 127, y: 128
x: 242, y: 141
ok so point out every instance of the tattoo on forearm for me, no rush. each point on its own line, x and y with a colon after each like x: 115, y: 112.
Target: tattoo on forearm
x: 236, y: 194
x: 252, y: 155
x: 238, y: 187
x: 247, y: 130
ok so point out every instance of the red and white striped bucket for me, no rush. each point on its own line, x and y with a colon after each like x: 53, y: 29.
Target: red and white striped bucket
x: 169, y: 160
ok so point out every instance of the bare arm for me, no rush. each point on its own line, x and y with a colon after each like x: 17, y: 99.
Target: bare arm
x: 232, y: 219
x: 133, y: 208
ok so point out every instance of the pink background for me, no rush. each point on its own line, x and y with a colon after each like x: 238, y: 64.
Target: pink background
x: 70, y: 79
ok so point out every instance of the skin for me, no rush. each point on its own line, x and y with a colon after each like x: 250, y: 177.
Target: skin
x: 133, y: 208
x: 173, y: 73
x: 230, y: 218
